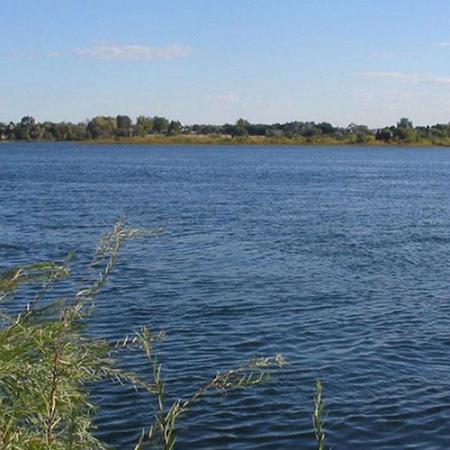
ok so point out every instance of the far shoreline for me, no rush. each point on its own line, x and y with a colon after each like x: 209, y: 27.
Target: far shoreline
x: 253, y: 140
x: 228, y: 140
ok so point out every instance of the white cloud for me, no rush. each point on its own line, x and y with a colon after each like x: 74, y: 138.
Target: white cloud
x: 129, y: 52
x: 409, y: 77
x: 386, y: 94
x: 442, y: 44
x: 223, y: 98
x: 436, y: 80
x: 390, y: 75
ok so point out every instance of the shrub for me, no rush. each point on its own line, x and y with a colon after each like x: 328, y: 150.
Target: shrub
x: 46, y: 362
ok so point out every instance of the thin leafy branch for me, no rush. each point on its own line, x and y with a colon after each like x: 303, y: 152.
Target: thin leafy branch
x: 318, y: 422
x: 47, y: 363
x: 163, y: 433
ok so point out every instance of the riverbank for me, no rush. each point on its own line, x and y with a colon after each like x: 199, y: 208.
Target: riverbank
x: 212, y: 139
x: 207, y: 139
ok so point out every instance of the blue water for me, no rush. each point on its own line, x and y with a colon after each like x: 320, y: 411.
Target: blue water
x: 337, y: 257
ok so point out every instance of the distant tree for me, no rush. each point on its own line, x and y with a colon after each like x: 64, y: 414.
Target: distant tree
x: 309, y: 129
x: 144, y: 126
x: 363, y: 138
x: 26, y: 129
x: 405, y: 130
x: 174, y: 128
x: 160, y: 125
x: 205, y: 129
x: 241, y: 128
x: 405, y: 123
x: 274, y: 132
x: 102, y: 127
x: 326, y: 128
x: 406, y: 134
x: 10, y: 131
x: 289, y: 129
x: 257, y: 129
x: 357, y: 129
x: 228, y: 129
x: 438, y: 130
x: 28, y: 122
x: 124, y: 124
x: 22, y: 134
x: 121, y: 125
x: 384, y: 134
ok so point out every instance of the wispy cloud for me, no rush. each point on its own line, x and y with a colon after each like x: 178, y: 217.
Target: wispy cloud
x: 223, y: 98
x: 409, y: 77
x: 129, y: 52
x: 444, y: 44
x: 386, y: 94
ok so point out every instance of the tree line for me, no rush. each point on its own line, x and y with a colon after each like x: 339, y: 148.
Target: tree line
x: 122, y: 126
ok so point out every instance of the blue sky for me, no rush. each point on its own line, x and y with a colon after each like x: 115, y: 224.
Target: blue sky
x: 213, y: 61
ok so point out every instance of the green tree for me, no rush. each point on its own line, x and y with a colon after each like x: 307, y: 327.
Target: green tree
x: 404, y: 122
x: 384, y: 134
x: 144, y: 126
x: 326, y: 128
x: 175, y: 128
x: 309, y: 129
x: 102, y: 127
x: 241, y: 128
x: 405, y: 130
x: 26, y: 129
x: 124, y: 124
x: 28, y: 122
x: 160, y: 125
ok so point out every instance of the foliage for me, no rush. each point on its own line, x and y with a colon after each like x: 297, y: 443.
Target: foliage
x: 318, y: 422
x: 47, y: 362
x: 160, y: 129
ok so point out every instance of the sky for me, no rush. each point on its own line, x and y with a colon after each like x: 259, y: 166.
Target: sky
x: 214, y: 61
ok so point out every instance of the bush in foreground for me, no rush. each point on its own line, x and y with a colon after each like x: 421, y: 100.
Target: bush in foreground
x: 46, y: 363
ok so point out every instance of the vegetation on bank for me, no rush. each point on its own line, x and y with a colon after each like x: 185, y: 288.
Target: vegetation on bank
x: 160, y: 130
x: 47, y: 363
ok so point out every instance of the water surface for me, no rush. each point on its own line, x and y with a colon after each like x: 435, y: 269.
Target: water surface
x: 337, y: 257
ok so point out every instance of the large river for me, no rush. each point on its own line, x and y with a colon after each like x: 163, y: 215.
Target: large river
x: 337, y: 257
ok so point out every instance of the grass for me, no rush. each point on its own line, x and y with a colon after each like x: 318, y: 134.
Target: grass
x: 216, y: 139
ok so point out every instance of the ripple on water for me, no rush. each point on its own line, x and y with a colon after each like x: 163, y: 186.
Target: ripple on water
x: 338, y: 258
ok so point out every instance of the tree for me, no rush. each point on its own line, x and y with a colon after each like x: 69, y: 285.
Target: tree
x: 28, y: 122
x: 175, y: 127
x: 102, y: 127
x: 124, y: 124
x: 26, y: 129
x: 405, y: 130
x: 357, y: 129
x: 326, y: 128
x: 144, y: 126
x: 241, y: 128
x: 160, y: 125
x: 384, y: 135
x: 309, y: 129
x: 406, y: 134
x: 405, y: 123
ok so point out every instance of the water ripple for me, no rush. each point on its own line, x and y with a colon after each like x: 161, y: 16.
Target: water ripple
x: 339, y: 258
